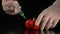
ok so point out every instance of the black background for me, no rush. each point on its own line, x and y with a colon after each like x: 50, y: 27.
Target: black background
x: 31, y: 8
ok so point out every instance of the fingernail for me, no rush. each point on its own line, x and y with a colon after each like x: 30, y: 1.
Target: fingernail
x: 36, y: 23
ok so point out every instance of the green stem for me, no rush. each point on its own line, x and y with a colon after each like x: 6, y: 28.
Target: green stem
x: 33, y: 18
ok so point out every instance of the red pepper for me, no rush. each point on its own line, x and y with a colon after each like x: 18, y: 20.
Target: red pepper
x: 30, y: 23
x: 35, y: 27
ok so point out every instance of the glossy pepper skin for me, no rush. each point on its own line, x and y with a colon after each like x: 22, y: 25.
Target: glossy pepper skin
x: 30, y: 23
x: 35, y: 27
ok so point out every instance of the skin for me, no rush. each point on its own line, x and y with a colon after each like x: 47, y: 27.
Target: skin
x: 11, y: 7
x: 49, y: 17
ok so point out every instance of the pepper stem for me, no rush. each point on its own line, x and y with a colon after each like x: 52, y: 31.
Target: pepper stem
x: 33, y: 18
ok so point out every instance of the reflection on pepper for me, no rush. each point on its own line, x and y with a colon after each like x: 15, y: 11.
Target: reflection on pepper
x: 31, y: 32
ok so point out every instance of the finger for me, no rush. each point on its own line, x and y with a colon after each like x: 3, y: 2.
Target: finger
x: 39, y: 18
x: 51, y: 32
x: 41, y: 32
x: 16, y: 4
x: 16, y: 7
x: 44, y: 21
x: 47, y: 32
x: 55, y: 23
x: 49, y: 23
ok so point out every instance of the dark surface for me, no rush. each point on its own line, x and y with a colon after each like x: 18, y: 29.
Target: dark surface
x: 15, y: 23
x: 16, y: 29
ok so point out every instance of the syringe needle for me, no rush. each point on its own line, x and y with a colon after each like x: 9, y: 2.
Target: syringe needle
x: 24, y: 17
x: 22, y: 14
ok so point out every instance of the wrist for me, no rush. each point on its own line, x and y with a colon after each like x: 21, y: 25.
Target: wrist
x: 55, y: 5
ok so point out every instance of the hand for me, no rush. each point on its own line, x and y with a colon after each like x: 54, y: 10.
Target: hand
x: 11, y: 7
x: 49, y: 17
